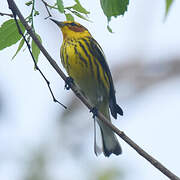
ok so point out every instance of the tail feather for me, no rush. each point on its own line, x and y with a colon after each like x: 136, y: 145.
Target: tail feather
x: 109, y: 140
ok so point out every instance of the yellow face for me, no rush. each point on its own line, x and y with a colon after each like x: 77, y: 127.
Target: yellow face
x: 72, y: 30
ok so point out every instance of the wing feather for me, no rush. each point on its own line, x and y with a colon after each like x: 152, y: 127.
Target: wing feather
x: 98, y: 52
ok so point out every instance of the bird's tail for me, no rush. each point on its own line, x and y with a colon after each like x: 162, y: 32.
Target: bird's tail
x: 109, y: 140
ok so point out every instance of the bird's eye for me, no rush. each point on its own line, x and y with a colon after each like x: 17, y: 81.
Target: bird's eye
x: 73, y: 24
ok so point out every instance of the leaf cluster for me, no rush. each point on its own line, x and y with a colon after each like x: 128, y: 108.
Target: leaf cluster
x: 9, y: 34
x: 75, y: 10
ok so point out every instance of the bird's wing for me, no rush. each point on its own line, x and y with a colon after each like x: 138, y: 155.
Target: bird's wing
x: 99, y: 54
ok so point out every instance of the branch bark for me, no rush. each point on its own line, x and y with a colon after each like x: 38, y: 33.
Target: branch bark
x: 5, y: 14
x: 121, y: 134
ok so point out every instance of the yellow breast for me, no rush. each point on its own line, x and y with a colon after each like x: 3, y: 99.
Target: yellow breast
x: 83, y: 67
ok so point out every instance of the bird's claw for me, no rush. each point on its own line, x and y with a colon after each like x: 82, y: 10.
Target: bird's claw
x: 94, y: 110
x: 68, y: 82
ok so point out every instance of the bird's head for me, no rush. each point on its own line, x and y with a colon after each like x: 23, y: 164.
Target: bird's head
x: 71, y: 29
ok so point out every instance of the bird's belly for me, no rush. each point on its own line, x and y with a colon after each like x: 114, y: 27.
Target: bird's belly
x: 87, y: 82
x: 84, y: 75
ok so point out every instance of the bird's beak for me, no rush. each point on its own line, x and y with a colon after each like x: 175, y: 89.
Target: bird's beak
x: 59, y: 23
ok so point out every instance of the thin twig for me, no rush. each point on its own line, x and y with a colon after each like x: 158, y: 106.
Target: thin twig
x: 32, y: 14
x: 35, y: 64
x: 5, y: 14
x: 149, y: 158
x: 46, y: 6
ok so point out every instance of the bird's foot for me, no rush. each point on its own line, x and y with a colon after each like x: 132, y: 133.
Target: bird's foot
x: 68, y: 82
x: 94, y: 110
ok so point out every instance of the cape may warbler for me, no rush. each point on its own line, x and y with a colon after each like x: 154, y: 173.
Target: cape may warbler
x: 85, y: 63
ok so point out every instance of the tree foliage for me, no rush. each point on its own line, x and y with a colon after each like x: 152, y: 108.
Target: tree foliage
x: 9, y: 34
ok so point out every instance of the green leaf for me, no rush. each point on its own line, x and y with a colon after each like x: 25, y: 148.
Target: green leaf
x: 35, y: 49
x: 60, y: 6
x: 28, y: 3
x: 114, y: 7
x: 109, y: 29
x: 168, y: 5
x: 80, y: 15
x: 78, y: 7
x: 19, y: 47
x: 9, y: 34
x: 69, y: 17
x: 36, y: 13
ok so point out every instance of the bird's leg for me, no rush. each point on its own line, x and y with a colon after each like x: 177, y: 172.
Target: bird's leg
x: 94, y: 110
x: 69, y: 80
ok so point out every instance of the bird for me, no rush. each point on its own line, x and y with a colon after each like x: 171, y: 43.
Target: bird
x: 85, y: 62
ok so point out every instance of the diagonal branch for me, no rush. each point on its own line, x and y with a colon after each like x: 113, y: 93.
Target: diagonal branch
x: 139, y: 150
